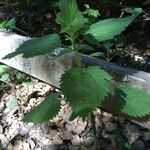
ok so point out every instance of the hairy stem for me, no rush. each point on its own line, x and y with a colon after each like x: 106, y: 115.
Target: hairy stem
x: 75, y: 50
x: 77, y: 58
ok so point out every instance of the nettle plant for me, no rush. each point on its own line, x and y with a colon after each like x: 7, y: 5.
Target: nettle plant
x: 84, y: 88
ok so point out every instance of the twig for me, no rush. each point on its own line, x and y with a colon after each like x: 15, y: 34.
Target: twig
x: 21, y: 31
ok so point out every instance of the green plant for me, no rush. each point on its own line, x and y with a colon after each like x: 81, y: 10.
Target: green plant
x: 10, y: 24
x: 91, y: 12
x: 4, y: 74
x: 84, y: 88
x: 10, y: 77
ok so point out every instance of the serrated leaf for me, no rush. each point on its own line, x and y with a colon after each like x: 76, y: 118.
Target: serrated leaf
x: 12, y: 103
x: 106, y: 29
x: 3, y: 24
x: 85, y: 87
x: 45, y: 111
x: 63, y: 52
x: 82, y: 113
x: 37, y: 46
x: 91, y: 12
x: 70, y: 18
x: 134, y: 11
x: 132, y: 101
x: 90, y: 39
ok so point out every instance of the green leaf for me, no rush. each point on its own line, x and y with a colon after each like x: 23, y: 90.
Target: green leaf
x: 128, y: 10
x: 91, y: 12
x: 12, y: 103
x: 4, y: 69
x: 3, y: 24
x: 85, y: 47
x: 70, y: 18
x: 27, y: 83
x: 81, y: 113
x: 108, y: 44
x: 90, y: 39
x: 4, y: 77
x: 63, y: 52
x: 132, y: 101
x: 20, y: 77
x: 106, y: 29
x: 97, y: 54
x: 119, y: 140
x: 85, y: 88
x: 11, y: 24
x: 37, y: 46
x: 134, y: 11
x: 45, y: 111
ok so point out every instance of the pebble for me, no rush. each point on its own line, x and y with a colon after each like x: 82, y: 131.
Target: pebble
x: 137, y: 145
x: 109, y: 126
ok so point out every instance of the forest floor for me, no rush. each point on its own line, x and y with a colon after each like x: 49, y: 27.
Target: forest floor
x: 115, y: 133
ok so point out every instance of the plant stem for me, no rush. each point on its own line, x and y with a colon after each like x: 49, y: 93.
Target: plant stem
x: 93, y: 123
x: 77, y: 58
x: 97, y: 144
x: 75, y: 50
